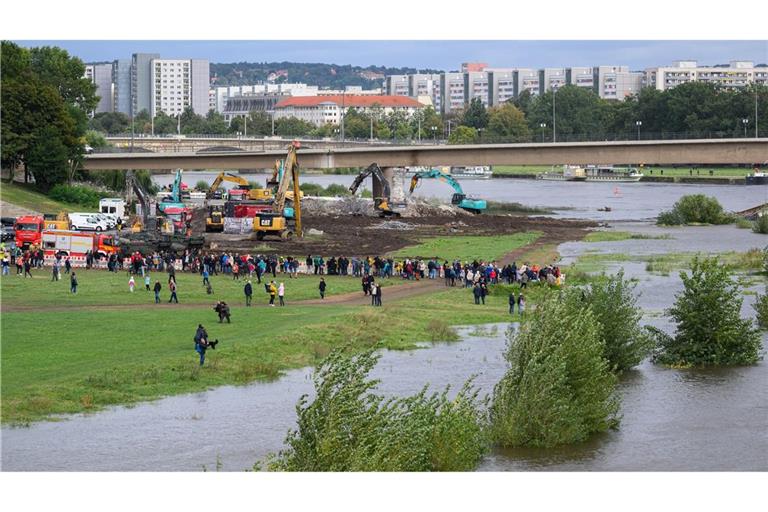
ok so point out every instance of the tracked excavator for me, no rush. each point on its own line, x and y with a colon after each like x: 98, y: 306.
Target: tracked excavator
x: 459, y: 198
x: 382, y: 203
x: 283, y: 221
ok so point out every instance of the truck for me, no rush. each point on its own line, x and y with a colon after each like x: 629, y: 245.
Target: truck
x: 77, y: 244
x: 29, y: 230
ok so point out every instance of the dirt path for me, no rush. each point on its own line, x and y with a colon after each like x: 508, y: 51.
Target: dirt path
x: 389, y: 293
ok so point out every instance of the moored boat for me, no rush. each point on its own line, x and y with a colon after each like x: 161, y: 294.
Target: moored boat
x: 569, y: 173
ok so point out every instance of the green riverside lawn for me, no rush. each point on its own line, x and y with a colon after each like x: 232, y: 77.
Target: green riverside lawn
x: 26, y: 197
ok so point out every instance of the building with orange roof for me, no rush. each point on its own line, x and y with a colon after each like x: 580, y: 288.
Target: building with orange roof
x: 321, y: 110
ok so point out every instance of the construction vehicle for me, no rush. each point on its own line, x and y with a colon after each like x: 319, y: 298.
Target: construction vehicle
x: 76, y: 244
x: 459, y: 198
x: 382, y: 203
x: 254, y: 194
x: 59, y: 221
x: 283, y: 221
x: 174, y: 200
x: 152, y: 233
x: 29, y: 229
x: 214, y: 222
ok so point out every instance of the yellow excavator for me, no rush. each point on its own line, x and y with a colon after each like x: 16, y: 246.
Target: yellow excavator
x: 255, y: 194
x: 283, y: 221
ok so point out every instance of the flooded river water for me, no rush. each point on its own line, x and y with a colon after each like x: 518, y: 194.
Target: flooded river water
x: 696, y: 420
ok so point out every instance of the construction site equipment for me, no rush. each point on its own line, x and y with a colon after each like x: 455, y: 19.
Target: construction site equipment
x: 459, y: 198
x: 215, y: 220
x: 283, y: 222
x: 254, y: 194
x: 381, y: 203
x: 174, y: 201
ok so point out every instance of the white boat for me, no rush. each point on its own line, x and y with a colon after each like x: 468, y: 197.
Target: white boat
x: 478, y: 172
x: 611, y: 173
x: 569, y: 173
x: 757, y: 177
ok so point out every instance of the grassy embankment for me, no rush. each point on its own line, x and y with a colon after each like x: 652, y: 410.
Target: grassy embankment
x: 468, y: 248
x: 750, y: 261
x: 95, y: 354
x: 717, y: 172
x: 617, y: 236
x: 27, y: 197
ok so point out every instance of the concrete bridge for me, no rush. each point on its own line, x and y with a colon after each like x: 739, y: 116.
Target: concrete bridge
x: 667, y: 152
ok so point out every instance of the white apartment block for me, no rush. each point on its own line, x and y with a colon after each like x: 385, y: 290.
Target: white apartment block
x: 177, y: 84
x: 501, y: 85
x: 101, y: 76
x: 526, y: 79
x: 221, y: 95
x: 737, y: 74
x: 476, y: 86
x: 452, y: 92
x: 551, y: 78
x: 397, y: 85
x: 321, y: 110
x: 425, y: 85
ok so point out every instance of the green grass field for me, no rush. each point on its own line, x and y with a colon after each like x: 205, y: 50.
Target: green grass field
x: 617, y: 236
x: 98, y: 287
x: 27, y: 197
x: 468, y: 248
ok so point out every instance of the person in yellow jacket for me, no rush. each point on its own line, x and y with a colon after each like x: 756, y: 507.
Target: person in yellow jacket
x: 272, y: 293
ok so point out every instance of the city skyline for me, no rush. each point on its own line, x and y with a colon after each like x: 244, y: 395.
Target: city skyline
x: 442, y: 55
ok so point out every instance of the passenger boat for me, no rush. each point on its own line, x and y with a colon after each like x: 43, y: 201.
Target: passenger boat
x: 611, y: 173
x: 569, y: 173
x: 479, y: 172
x: 757, y: 177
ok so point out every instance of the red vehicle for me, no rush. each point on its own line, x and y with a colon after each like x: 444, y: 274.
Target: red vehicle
x: 181, y: 218
x: 29, y: 230
x: 76, y: 244
x: 251, y: 210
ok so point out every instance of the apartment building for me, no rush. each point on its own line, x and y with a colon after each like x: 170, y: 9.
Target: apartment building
x: 452, y: 91
x: 121, y: 82
x: 551, y: 78
x: 501, y: 85
x: 176, y: 84
x: 397, y: 85
x: 735, y: 75
x: 321, y: 110
x: 476, y: 86
x: 141, y: 81
x: 426, y: 85
x: 101, y: 76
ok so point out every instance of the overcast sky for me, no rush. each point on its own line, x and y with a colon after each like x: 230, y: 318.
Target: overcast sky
x: 443, y: 55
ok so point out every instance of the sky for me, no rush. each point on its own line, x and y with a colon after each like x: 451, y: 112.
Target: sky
x: 441, y: 55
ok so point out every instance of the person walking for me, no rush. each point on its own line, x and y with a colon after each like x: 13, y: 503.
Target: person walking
x: 27, y: 267
x: 476, y: 292
x: 67, y: 265
x: 158, y: 287
x: 248, y: 290
x: 55, y: 276
x: 147, y: 280
x: 374, y: 287
x: 272, y: 293
x: 378, y: 295
x: 172, y: 287
x: 131, y: 284
x: 72, y: 283
x: 201, y: 342
x: 321, y: 287
x: 511, y: 303
x: 520, y: 305
x: 206, y: 275
x: 281, y: 294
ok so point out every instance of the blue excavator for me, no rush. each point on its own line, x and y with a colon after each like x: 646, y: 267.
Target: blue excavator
x: 459, y: 198
x: 174, y: 201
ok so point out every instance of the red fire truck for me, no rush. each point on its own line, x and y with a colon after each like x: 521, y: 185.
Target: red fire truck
x: 76, y: 244
x: 28, y: 230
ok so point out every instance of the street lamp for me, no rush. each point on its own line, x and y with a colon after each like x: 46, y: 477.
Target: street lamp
x: 480, y: 132
x: 745, y: 122
x: 542, y: 126
x: 638, y: 124
x: 554, y: 119
x: 434, y: 133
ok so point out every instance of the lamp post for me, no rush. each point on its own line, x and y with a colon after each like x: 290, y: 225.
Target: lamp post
x: 449, y: 128
x: 542, y: 126
x: 745, y: 122
x: 419, y: 120
x: 638, y: 124
x: 755, y: 113
x: 272, y: 114
x: 434, y: 133
x: 480, y: 133
x: 343, y: 112
x: 245, y: 126
x: 554, y: 118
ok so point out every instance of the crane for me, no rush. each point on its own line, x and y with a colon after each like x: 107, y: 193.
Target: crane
x: 379, y: 203
x: 283, y: 221
x: 459, y: 198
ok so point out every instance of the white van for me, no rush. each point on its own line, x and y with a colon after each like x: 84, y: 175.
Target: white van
x: 113, y: 205
x: 87, y: 222
x: 110, y: 220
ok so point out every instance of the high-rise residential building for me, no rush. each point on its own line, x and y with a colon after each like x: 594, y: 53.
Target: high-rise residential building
x: 141, y: 81
x: 735, y: 75
x: 580, y: 77
x: 551, y: 78
x: 176, y: 84
x: 476, y: 86
x: 397, y: 85
x: 121, y: 80
x: 526, y: 79
x: 101, y: 76
x: 321, y: 110
x: 468, y: 67
x: 452, y: 92
x: 501, y: 85
x: 426, y: 85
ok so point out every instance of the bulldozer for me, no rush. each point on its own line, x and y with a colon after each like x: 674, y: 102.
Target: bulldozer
x: 214, y: 222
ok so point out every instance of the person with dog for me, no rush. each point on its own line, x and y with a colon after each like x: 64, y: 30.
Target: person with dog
x: 202, y: 344
x: 222, y: 309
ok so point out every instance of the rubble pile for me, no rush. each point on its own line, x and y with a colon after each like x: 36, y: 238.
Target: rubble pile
x: 393, y: 224
x: 338, y: 206
x: 418, y: 207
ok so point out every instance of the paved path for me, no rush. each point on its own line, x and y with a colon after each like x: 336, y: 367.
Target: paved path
x: 12, y: 210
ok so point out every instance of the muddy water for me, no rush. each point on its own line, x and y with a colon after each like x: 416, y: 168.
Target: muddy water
x: 573, y: 200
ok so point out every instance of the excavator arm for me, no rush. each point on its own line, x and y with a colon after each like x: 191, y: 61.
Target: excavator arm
x: 381, y: 203
x: 224, y: 176
x: 459, y: 198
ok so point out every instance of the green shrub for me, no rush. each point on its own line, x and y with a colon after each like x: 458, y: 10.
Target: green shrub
x: 202, y: 185
x: 743, y: 223
x: 710, y: 331
x: 615, y: 308
x: 75, y: 194
x: 348, y: 428
x: 761, y: 225
x: 761, y: 307
x: 559, y: 388
x: 334, y: 189
x: 311, y: 189
x: 696, y: 208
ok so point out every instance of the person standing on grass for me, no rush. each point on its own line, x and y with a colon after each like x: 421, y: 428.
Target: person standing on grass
x: 321, y: 287
x: 476, y: 292
x: 172, y: 287
x: 378, y: 295
x: 272, y: 293
x: 72, y: 283
x: 205, y: 275
x: 373, y: 294
x: 67, y: 266
x: 511, y: 303
x: 131, y: 284
x: 55, y: 271
x: 248, y: 290
x: 27, y: 267
x: 147, y: 280
x: 158, y: 287
x: 281, y: 294
x: 520, y: 305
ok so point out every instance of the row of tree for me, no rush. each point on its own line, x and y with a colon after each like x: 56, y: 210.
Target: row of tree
x: 45, y: 101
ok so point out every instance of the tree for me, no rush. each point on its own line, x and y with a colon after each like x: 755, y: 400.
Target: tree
x: 508, y: 121
x: 523, y: 101
x: 110, y: 123
x: 48, y: 159
x: 55, y: 67
x: 142, y: 122
x: 710, y: 330
x: 476, y: 115
x: 214, y: 123
x: 191, y: 123
x: 615, y: 308
x: 292, y: 126
x: 558, y: 388
x: 164, y: 124
x: 463, y: 135
x: 578, y: 111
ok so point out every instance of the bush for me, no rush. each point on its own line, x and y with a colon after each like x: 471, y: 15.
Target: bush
x: 311, y: 189
x: 761, y: 307
x: 710, y: 331
x: 761, y: 224
x: 559, y: 388
x: 334, y: 189
x: 615, y: 308
x: 74, y: 194
x: 348, y: 428
x: 202, y: 185
x: 696, y: 208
